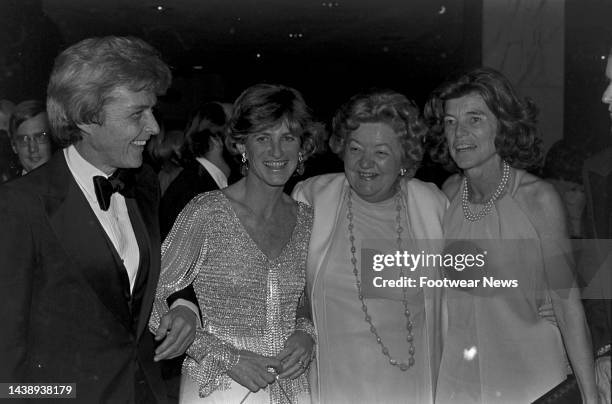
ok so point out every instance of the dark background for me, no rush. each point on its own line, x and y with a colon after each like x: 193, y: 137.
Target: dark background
x: 327, y: 49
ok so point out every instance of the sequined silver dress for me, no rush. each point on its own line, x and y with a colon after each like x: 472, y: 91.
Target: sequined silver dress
x: 247, y: 300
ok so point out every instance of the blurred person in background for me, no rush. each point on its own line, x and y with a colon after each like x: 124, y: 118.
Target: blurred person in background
x: 205, y: 160
x: 30, y: 135
x: 596, y: 263
x: 6, y: 109
x: 8, y: 161
x: 163, y: 152
x: 563, y: 169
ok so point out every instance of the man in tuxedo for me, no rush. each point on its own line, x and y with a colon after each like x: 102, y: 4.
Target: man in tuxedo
x: 595, y: 262
x: 79, y: 262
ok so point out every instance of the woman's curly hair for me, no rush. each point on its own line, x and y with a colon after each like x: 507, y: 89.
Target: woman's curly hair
x: 383, y: 106
x: 517, y: 140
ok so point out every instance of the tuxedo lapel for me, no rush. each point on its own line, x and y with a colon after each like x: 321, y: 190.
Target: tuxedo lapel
x: 143, y: 211
x: 85, y: 242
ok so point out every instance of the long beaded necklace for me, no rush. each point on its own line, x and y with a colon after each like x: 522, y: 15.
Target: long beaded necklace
x: 403, y: 366
x: 488, y: 205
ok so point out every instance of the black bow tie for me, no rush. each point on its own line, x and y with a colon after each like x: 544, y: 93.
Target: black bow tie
x: 106, y: 187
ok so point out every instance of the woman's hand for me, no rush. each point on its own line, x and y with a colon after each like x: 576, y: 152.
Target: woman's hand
x: 296, y: 355
x: 253, y: 371
x: 546, y: 312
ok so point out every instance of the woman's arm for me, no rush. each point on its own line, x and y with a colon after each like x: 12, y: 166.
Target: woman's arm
x: 184, y: 254
x: 548, y: 216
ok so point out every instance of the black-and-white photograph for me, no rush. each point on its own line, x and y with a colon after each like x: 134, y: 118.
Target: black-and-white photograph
x: 306, y: 201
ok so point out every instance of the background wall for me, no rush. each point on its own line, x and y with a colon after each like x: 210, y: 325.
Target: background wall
x: 525, y: 41
x: 554, y: 51
x: 588, y: 40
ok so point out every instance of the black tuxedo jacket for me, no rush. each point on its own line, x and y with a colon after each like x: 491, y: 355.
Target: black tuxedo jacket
x: 595, y: 262
x: 66, y: 310
x: 191, y: 181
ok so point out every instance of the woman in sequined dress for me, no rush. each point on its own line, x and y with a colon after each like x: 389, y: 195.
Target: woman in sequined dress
x: 374, y: 346
x: 497, y: 349
x: 244, y: 250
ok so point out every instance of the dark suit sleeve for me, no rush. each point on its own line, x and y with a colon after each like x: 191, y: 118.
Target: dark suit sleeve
x: 17, y: 263
x: 178, y: 194
x: 188, y: 294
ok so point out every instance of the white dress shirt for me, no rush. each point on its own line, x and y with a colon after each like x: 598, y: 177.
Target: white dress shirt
x: 115, y: 221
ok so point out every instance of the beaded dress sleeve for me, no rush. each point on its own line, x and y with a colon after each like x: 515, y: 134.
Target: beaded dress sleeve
x: 184, y: 252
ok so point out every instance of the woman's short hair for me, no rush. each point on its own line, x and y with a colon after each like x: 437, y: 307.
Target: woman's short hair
x: 517, y: 140
x: 85, y: 74
x: 265, y: 106
x: 23, y: 111
x: 388, y: 107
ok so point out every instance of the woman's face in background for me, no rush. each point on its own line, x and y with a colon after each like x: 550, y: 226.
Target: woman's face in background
x: 372, y: 161
x: 32, y: 142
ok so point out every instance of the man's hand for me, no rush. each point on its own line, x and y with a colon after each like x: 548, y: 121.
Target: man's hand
x: 177, y: 327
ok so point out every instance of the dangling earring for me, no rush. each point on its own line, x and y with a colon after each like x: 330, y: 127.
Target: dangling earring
x: 244, y: 165
x: 300, y: 167
x: 402, y: 172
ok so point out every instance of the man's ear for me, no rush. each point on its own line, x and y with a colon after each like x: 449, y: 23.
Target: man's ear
x: 87, y: 129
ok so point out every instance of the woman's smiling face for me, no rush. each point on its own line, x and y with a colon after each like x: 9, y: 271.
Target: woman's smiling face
x: 372, y: 161
x: 470, y: 128
x: 272, y: 155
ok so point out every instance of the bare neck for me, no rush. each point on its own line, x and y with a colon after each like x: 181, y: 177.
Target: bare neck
x: 262, y: 201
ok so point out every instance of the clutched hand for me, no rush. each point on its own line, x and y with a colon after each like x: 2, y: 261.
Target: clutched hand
x: 296, y: 355
x: 255, y: 371
x: 177, y: 328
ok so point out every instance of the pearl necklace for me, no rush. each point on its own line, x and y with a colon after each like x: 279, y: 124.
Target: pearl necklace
x: 368, y: 318
x: 488, y: 205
